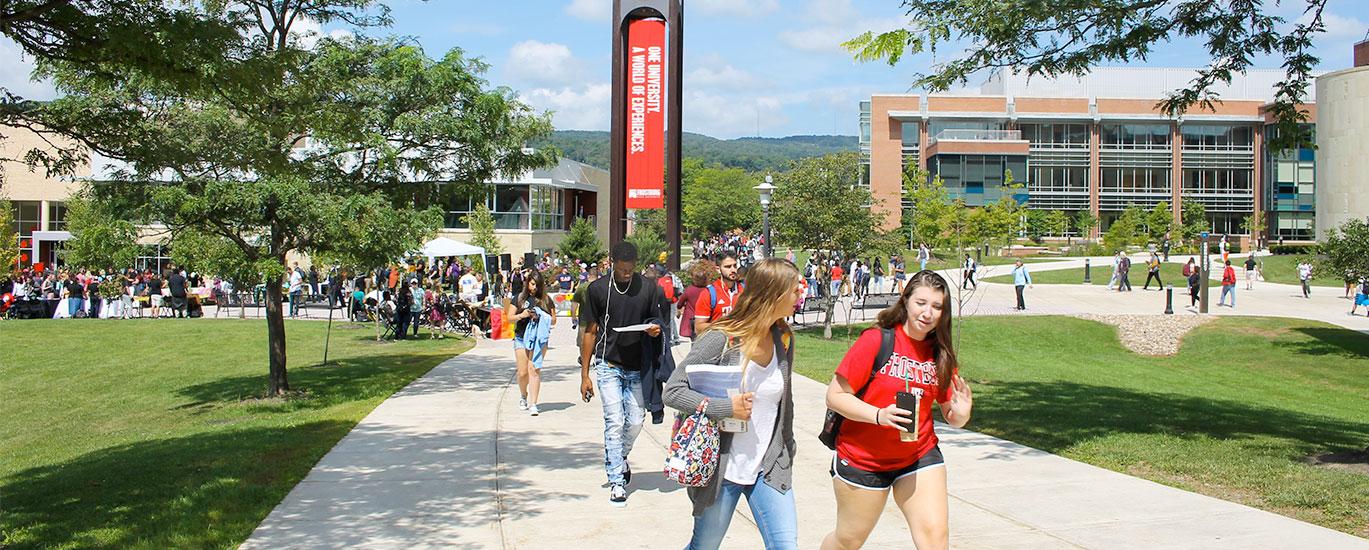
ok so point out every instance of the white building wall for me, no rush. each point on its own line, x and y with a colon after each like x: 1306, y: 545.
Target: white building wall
x: 1342, y: 139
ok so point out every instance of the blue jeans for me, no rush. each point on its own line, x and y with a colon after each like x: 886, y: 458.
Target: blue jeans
x: 812, y: 288
x: 295, y: 298
x: 74, y: 305
x: 922, y: 265
x: 1228, y: 289
x: 836, y: 288
x: 620, y: 391
x: 774, y: 513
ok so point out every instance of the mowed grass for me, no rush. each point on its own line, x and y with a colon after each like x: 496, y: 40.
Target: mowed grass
x: 1170, y: 274
x: 152, y: 433
x: 1284, y: 269
x: 1234, y: 415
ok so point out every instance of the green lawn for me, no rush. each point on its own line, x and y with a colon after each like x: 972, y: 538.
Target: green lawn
x: 1284, y: 269
x: 1233, y: 415
x: 150, y: 433
x: 1169, y: 273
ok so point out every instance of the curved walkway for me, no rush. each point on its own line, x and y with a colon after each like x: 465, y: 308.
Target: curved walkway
x: 450, y: 461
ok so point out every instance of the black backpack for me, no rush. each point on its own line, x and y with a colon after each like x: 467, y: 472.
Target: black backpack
x: 831, y: 424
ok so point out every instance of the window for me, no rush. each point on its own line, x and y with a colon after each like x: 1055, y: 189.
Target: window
x: 57, y: 216
x: 911, y: 134
x: 1135, y: 180
x: 1217, y: 137
x: 1135, y: 136
x: 1056, y: 135
x: 979, y: 175
x: 938, y: 125
x: 26, y: 217
x: 155, y: 257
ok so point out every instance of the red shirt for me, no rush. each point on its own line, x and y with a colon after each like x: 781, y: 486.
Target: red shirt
x: 1229, y: 276
x: 704, y: 309
x: 878, y: 448
x: 836, y: 276
x: 667, y: 287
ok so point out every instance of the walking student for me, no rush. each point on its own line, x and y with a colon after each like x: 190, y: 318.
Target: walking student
x: 924, y: 255
x: 1195, y: 280
x: 1021, y: 278
x: 756, y: 463
x: 531, y: 312
x: 1305, y: 276
x: 614, y: 361
x: 1361, y: 297
x: 1153, y: 272
x: 884, y: 446
x: 1116, y: 264
x: 1228, y: 284
x: 1123, y: 271
x: 699, y: 273
x: 719, y: 298
x: 968, y: 276
x: 1250, y: 266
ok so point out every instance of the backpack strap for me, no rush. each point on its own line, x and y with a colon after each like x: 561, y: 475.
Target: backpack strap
x: 712, y: 298
x: 886, y: 350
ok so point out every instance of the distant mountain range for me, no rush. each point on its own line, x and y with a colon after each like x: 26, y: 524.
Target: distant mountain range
x: 591, y: 147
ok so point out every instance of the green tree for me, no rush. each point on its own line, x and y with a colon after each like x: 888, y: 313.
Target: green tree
x: 1192, y: 220
x: 649, y: 243
x: 100, y: 238
x: 1346, y: 249
x: 220, y: 256
x: 481, y: 221
x: 1159, y: 221
x: 1084, y: 221
x: 581, y: 243
x: 341, y: 146
x: 718, y: 199
x: 1056, y: 223
x: 1126, y: 230
x: 844, y: 223
x: 929, y: 217
x: 9, y: 242
x: 1069, y: 37
x: 1254, y: 225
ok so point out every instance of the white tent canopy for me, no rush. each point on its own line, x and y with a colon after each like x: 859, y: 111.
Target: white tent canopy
x: 443, y: 246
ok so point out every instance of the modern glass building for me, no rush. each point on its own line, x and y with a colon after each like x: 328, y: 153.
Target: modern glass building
x: 1097, y: 143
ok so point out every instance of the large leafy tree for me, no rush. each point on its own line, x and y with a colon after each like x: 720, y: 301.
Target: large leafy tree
x: 1059, y: 37
x: 581, y: 243
x: 718, y: 199
x: 819, y: 206
x: 1346, y: 249
x: 336, y: 147
x: 9, y: 241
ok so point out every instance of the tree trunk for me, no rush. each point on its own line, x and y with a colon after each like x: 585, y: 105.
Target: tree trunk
x: 275, y: 339
x: 827, y: 322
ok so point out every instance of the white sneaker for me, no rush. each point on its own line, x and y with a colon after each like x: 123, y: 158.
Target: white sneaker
x: 617, y: 496
x: 532, y: 410
x: 522, y: 403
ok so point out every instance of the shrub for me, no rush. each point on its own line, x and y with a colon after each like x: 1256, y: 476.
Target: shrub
x: 1292, y: 249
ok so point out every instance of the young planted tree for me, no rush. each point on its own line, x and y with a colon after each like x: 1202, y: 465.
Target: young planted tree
x: 844, y: 224
x: 581, y: 243
x: 1056, y: 223
x: 1084, y: 221
x: 1192, y: 220
x: 1159, y: 220
x: 283, y: 144
x: 1068, y: 37
x: 100, y: 238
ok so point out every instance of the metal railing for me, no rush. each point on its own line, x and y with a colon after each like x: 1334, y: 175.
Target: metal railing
x: 977, y: 135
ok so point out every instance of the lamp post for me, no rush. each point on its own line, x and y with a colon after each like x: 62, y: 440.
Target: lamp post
x: 766, y: 190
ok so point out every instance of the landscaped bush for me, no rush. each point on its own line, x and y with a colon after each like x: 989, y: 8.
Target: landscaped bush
x: 1089, y: 249
x: 1292, y: 249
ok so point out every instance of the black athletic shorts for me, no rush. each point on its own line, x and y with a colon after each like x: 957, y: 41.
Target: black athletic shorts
x: 879, y: 481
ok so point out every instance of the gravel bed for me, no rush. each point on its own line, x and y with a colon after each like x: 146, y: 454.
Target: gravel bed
x: 1151, y: 334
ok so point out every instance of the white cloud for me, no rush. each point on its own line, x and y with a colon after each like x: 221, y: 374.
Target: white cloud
x: 15, y: 75
x: 584, y: 107
x: 544, y: 64
x: 591, y: 10
x: 729, y: 116
x: 833, y: 22
x: 740, y: 8
x: 725, y: 77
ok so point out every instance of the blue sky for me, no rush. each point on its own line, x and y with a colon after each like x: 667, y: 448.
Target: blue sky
x: 767, y: 67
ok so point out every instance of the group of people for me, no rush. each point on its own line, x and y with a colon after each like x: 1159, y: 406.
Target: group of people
x: 885, y: 388
x: 87, y: 291
x: 826, y: 276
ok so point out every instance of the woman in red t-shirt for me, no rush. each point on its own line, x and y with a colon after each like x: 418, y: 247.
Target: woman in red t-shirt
x: 876, y: 449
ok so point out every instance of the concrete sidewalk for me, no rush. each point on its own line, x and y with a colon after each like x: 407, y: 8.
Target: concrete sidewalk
x: 450, y: 461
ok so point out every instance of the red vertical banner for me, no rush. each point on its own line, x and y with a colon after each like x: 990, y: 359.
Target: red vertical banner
x: 645, y: 114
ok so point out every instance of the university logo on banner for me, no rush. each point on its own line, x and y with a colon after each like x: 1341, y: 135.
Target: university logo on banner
x: 645, y: 114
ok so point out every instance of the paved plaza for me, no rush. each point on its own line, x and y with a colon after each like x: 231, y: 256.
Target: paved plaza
x: 450, y: 461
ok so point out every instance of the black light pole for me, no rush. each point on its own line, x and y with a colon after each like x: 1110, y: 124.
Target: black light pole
x: 766, y: 190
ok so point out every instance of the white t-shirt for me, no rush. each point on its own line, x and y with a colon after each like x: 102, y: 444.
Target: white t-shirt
x: 748, y: 448
x: 470, y: 287
x: 296, y: 280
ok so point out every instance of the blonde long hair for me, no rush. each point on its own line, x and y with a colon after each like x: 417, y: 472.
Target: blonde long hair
x: 749, y: 321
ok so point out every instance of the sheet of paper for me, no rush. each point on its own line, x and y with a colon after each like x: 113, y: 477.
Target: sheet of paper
x: 634, y: 328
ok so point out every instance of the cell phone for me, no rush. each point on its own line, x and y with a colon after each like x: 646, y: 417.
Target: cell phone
x: 909, y: 402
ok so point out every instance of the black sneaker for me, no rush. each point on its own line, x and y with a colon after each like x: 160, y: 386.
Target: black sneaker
x: 627, y: 472
x: 617, y: 496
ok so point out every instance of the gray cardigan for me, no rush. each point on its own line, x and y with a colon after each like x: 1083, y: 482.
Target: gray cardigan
x: 778, y: 461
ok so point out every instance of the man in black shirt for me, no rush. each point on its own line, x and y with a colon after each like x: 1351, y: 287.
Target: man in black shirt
x: 176, y: 285
x: 621, y: 300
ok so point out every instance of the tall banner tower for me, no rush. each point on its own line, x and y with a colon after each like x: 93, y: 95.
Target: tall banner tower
x: 644, y: 165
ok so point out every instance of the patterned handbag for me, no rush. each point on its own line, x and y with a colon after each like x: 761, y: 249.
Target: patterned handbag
x: 693, y: 457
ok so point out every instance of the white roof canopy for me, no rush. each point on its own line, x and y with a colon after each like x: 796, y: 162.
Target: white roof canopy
x: 443, y: 246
